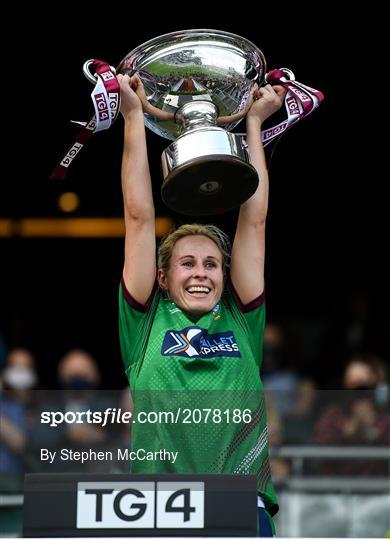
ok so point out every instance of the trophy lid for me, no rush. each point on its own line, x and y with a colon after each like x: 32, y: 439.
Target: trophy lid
x: 195, y: 65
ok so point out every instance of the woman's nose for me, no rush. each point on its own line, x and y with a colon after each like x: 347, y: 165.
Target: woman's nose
x: 199, y: 270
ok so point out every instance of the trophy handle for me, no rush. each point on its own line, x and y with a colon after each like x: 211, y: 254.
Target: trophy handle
x: 287, y: 72
x: 87, y: 72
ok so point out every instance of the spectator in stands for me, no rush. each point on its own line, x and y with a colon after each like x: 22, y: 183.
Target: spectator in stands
x: 356, y: 418
x: 18, y: 377
x: 13, y: 437
x: 78, y: 378
x: 19, y: 372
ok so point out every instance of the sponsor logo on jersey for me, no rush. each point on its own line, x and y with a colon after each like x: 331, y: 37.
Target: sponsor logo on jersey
x: 193, y: 341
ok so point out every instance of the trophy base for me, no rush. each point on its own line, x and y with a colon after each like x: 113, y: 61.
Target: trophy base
x: 209, y: 185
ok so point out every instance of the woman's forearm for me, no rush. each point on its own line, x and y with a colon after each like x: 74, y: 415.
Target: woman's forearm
x: 136, y: 182
x: 256, y: 207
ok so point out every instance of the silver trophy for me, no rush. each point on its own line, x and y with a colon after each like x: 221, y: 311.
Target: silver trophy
x: 197, y: 87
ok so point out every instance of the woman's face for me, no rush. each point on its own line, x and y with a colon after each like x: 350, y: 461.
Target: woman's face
x: 194, y: 279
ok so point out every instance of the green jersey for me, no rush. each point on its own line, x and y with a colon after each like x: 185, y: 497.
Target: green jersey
x: 198, y: 399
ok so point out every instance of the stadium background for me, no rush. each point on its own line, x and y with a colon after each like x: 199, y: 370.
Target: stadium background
x: 327, y: 233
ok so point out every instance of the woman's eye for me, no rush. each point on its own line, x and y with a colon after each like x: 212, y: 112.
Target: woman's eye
x: 211, y: 265
x: 187, y: 263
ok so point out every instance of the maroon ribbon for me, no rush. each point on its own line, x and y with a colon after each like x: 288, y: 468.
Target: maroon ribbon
x: 106, y: 100
x: 300, y: 101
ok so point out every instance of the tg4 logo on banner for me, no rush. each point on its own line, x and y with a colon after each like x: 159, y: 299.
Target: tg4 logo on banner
x: 165, y: 505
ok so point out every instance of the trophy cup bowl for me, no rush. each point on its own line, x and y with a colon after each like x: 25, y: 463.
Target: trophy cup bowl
x: 194, y: 79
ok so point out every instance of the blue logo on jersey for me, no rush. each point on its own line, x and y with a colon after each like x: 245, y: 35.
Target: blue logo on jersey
x: 194, y: 341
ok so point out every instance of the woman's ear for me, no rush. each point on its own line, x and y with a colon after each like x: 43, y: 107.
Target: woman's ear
x: 162, y: 279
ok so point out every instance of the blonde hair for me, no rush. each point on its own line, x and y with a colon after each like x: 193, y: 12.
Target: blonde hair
x: 193, y: 229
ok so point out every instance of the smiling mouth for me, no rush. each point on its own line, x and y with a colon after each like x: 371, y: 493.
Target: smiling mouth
x: 198, y: 290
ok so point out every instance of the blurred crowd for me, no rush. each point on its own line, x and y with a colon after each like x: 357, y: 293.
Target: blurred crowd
x: 309, y: 402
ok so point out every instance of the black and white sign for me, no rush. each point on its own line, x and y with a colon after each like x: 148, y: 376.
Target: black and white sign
x: 82, y: 505
x: 112, y: 505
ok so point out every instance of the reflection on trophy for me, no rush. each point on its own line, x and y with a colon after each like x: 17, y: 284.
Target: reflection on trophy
x: 197, y: 86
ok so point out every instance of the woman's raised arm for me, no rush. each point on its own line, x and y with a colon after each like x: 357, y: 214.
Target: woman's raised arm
x: 248, y: 252
x: 139, y: 271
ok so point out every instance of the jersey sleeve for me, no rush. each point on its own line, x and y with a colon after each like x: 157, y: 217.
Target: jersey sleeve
x: 135, y: 321
x: 251, y: 316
